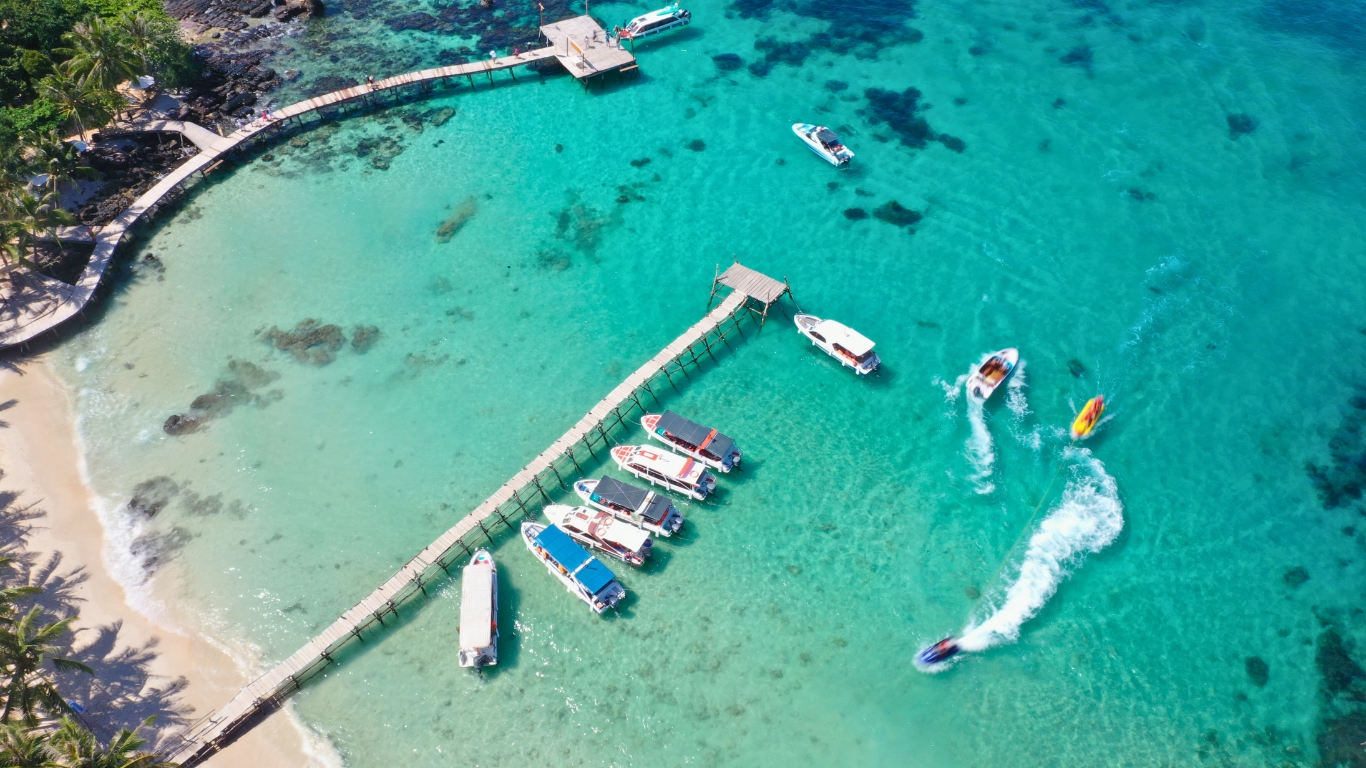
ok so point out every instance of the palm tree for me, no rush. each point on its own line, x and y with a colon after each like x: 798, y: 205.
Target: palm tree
x: 36, y: 215
x: 146, y: 37
x: 23, y: 649
x: 75, y: 747
x: 80, y: 101
x: 50, y: 156
x: 22, y: 747
x: 99, y: 53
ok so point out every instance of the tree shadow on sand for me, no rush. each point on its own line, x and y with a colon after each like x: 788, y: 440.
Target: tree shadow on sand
x: 123, y: 691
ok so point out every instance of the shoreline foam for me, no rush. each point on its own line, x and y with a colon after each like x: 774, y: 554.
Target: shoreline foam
x: 43, y: 458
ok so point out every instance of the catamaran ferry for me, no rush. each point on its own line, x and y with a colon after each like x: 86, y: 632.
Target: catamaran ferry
x: 649, y: 510
x: 681, y: 473
x: 602, y: 531
x: 479, y: 611
x: 582, y: 574
x: 655, y: 22
x: 702, y: 443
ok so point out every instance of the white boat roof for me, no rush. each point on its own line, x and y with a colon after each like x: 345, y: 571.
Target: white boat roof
x: 669, y: 463
x: 476, y: 607
x: 662, y: 13
x: 843, y: 335
x: 625, y: 534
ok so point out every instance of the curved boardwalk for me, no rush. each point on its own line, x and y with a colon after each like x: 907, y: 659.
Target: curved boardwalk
x: 507, y: 505
x: 41, y: 303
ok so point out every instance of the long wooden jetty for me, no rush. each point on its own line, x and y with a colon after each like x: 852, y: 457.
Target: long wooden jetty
x: 518, y: 498
x: 37, y: 304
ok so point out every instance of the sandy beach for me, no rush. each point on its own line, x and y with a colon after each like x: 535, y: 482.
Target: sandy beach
x: 40, y: 455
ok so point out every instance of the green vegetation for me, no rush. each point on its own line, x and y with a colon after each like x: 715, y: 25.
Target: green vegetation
x: 30, y: 175
x: 61, y: 59
x: 37, y: 727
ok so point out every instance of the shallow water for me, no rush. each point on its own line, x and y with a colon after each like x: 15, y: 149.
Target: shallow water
x: 1102, y: 218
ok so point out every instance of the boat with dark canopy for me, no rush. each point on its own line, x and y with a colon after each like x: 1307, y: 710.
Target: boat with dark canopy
x: 647, y: 509
x: 686, y: 436
x: 582, y: 574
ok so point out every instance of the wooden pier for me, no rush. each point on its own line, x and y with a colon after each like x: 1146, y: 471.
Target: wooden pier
x: 38, y: 304
x: 518, y: 498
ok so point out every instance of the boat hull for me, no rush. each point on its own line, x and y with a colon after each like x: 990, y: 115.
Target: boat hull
x: 670, y: 525
x: 529, y: 533
x: 559, y: 515
x: 700, y: 491
x: 980, y: 386
x: 479, y: 587
x: 733, y: 457
x: 803, y: 132
x: 805, y: 324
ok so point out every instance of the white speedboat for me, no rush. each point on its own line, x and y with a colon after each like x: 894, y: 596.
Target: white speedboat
x: 479, y: 611
x: 655, y: 22
x: 824, y: 142
x: 681, y: 473
x: 602, y: 531
x: 989, y: 374
x: 840, y: 342
x: 582, y: 574
x: 702, y: 443
x: 646, y: 509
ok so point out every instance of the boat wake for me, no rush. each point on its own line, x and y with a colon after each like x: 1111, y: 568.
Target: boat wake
x: 980, y: 449
x: 1087, y: 519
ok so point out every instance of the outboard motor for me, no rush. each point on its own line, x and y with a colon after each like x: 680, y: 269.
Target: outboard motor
x: 939, y: 652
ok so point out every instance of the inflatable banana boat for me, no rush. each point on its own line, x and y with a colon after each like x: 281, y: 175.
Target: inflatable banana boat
x: 1088, y: 418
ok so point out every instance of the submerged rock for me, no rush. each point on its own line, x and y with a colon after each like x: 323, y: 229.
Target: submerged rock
x: 181, y: 424
x: 640, y: 162
x: 438, y: 117
x: 364, y: 337
x: 1257, y: 671
x: 728, y: 62
x: 1336, y: 666
x: 309, y: 342
x: 1296, y: 577
x: 1081, y: 56
x: 151, y: 496
x: 855, y: 214
x: 1075, y: 367
x: 895, y: 213
x: 696, y: 145
x: 458, y: 218
x: 1239, y: 124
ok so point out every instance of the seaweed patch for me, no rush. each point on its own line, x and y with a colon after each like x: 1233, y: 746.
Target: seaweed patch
x: 900, y: 112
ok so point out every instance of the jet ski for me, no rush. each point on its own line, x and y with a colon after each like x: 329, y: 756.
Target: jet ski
x: 1088, y: 418
x: 940, y: 652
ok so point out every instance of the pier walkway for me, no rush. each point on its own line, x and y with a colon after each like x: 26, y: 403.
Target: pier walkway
x: 37, y: 305
x: 516, y: 499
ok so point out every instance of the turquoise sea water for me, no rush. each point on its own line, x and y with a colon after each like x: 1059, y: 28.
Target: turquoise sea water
x: 1103, y: 217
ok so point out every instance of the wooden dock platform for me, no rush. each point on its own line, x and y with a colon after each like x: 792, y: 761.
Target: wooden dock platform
x: 516, y: 499
x: 585, y: 49
x: 40, y: 305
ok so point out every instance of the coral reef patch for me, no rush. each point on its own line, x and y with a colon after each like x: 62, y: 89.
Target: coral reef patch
x: 237, y: 387
x: 900, y: 112
x: 309, y: 342
x: 896, y: 214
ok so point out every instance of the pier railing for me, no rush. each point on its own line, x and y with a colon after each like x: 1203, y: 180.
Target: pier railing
x: 515, y: 500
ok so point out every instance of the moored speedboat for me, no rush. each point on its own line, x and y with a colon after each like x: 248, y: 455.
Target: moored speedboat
x: 992, y: 372
x: 681, y: 473
x: 479, y: 611
x: 655, y: 22
x: 824, y: 142
x: 647, y: 509
x: 582, y: 574
x: 1088, y: 418
x: 840, y: 342
x: 602, y: 531
x: 702, y: 443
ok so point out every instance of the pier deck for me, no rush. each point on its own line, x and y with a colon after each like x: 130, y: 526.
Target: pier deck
x: 36, y: 306
x: 506, y: 505
x: 585, y: 49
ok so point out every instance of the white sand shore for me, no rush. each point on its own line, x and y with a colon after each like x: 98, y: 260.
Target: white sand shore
x: 40, y: 455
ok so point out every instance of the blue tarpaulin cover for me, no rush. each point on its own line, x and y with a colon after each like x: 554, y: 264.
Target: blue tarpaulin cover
x: 567, y: 552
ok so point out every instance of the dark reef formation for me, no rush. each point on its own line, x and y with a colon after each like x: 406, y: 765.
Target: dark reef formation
x: 728, y: 62
x: 1339, y: 482
x: 1240, y: 124
x: 309, y: 342
x: 900, y: 112
x: 861, y: 28
x: 855, y: 214
x: 896, y: 214
x: 237, y: 387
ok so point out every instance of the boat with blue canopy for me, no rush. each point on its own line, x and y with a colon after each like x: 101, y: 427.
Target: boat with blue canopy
x: 582, y: 574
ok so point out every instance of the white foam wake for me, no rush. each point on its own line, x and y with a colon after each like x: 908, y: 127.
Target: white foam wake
x: 980, y: 449
x: 1087, y: 519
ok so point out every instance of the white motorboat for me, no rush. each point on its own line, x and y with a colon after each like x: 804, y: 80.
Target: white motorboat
x: 824, y: 142
x: 479, y: 611
x: 655, y: 22
x: 992, y: 372
x: 582, y: 574
x: 681, y: 473
x: 647, y: 509
x: 840, y: 342
x: 702, y: 443
x: 602, y: 531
